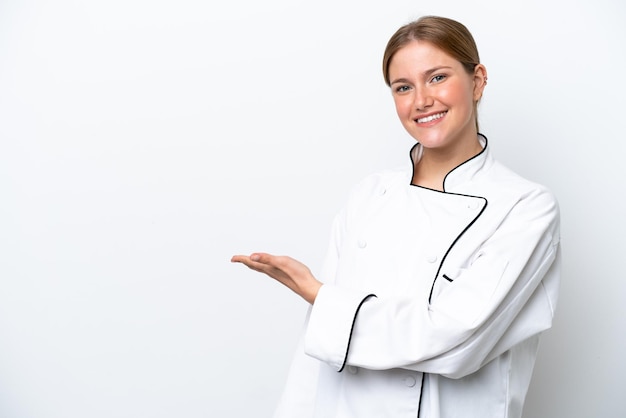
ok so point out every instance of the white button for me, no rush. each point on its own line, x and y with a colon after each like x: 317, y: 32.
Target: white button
x: 431, y: 258
x: 362, y: 243
x: 352, y: 370
x: 409, y: 381
x: 472, y: 205
x: 382, y: 191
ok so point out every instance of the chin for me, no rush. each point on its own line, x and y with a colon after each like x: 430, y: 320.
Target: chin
x: 430, y: 142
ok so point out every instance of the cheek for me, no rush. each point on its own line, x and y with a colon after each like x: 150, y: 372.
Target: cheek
x: 403, y: 106
x: 450, y: 96
x: 458, y: 94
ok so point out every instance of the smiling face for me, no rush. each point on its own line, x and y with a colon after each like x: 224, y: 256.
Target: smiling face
x: 435, y: 96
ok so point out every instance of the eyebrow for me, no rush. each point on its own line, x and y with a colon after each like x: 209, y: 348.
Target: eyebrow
x: 425, y: 74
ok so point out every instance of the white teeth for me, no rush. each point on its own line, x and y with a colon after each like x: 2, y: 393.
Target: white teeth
x: 431, y: 117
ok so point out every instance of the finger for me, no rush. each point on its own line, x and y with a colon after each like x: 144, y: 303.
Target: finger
x: 253, y: 265
x: 238, y: 258
x: 263, y: 258
x: 255, y: 259
x: 282, y: 263
x: 280, y: 268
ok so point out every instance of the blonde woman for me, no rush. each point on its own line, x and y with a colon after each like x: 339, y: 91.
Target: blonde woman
x: 441, y: 275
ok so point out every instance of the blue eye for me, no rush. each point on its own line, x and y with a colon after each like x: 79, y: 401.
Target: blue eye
x: 402, y: 89
x: 438, y: 78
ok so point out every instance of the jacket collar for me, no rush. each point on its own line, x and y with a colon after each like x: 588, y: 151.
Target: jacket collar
x: 463, y: 172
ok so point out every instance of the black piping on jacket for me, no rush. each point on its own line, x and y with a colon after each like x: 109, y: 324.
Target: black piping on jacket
x: 443, y: 259
x: 345, y: 358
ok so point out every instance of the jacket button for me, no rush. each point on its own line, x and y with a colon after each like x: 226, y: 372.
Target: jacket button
x: 362, y: 243
x: 352, y: 370
x: 409, y: 381
x: 431, y: 258
x: 382, y: 191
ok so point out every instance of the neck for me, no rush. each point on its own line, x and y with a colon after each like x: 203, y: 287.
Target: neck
x: 435, y: 163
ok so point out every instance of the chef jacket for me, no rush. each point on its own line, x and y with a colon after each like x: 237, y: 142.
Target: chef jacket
x: 433, y: 301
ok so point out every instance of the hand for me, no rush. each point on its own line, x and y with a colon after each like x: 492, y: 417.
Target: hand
x: 292, y: 273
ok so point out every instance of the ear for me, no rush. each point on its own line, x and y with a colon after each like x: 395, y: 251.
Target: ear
x: 480, y: 81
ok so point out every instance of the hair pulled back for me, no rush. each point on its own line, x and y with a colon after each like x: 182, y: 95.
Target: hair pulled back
x: 450, y: 36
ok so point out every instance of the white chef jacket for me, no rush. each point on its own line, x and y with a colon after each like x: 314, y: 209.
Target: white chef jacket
x: 432, y: 302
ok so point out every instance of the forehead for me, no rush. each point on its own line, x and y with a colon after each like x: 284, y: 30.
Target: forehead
x: 419, y: 56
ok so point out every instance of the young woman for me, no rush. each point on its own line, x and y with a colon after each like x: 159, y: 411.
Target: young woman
x: 440, y: 276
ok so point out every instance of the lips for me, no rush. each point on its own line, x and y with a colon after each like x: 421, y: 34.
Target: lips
x: 431, y: 118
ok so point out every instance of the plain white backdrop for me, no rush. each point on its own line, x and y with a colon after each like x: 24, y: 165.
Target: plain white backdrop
x: 142, y: 143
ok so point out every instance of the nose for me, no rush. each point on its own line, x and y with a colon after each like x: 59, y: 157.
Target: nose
x: 422, y: 99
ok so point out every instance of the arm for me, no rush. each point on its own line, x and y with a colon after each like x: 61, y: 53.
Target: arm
x: 506, y: 295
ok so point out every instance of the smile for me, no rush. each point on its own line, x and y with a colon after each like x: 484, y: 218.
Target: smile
x: 431, y: 117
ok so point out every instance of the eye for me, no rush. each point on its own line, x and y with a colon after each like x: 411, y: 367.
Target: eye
x: 403, y: 88
x: 438, y: 78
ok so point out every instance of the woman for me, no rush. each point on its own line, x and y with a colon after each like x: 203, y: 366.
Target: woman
x: 440, y: 276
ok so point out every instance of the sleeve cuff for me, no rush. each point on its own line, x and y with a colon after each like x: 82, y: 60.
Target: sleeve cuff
x: 329, y: 331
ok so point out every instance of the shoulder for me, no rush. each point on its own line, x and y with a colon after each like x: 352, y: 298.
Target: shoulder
x: 503, y: 179
x: 366, y: 193
x: 495, y: 181
x: 381, y: 180
x: 506, y: 190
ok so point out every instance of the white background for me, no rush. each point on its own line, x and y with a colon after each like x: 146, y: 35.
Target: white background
x: 142, y: 143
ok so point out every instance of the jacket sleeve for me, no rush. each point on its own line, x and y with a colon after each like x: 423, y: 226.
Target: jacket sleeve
x: 299, y: 393
x: 505, y: 296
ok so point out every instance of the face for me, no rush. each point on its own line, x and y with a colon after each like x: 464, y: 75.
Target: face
x: 435, y: 96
